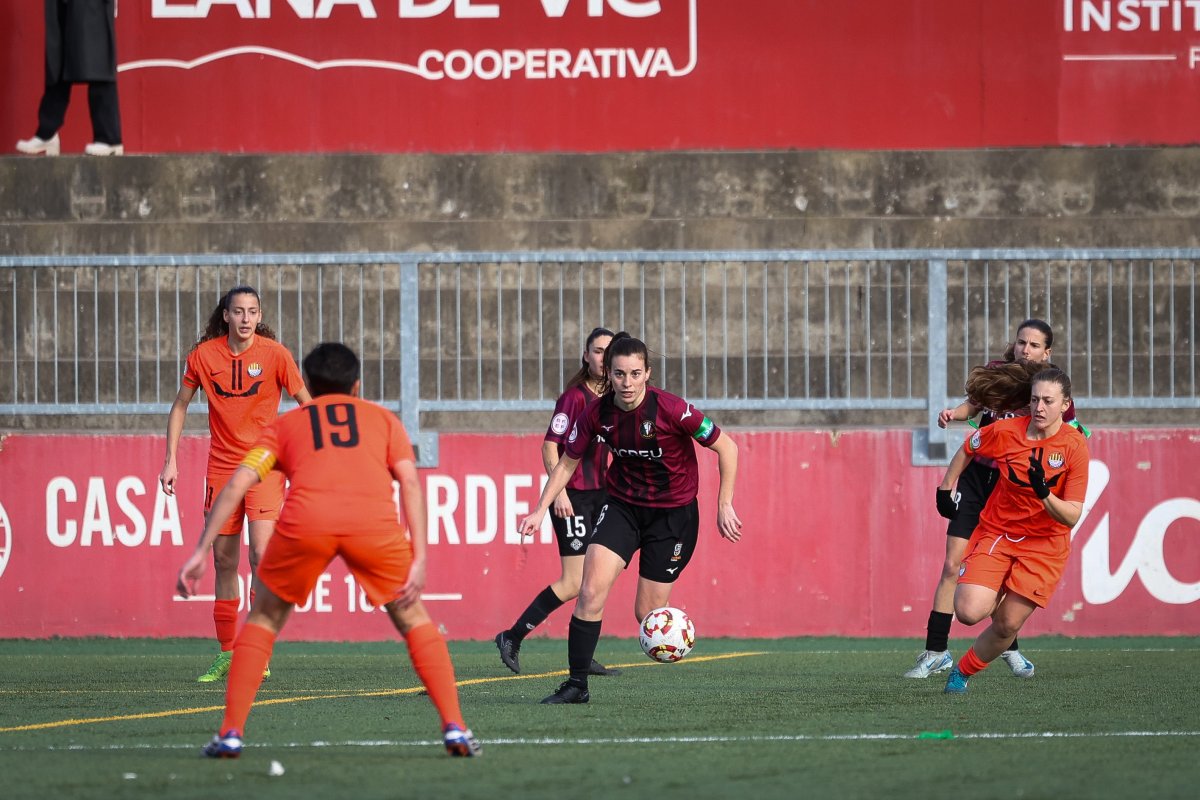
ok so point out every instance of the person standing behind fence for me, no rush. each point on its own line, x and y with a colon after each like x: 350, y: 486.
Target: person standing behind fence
x: 1018, y: 552
x: 81, y: 47
x: 574, y: 511
x: 244, y: 373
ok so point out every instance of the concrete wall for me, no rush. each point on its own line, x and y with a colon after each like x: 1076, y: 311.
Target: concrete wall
x: 812, y: 199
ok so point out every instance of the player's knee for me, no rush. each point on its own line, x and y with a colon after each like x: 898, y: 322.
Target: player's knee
x: 969, y: 615
x: 590, y: 602
x: 224, y: 561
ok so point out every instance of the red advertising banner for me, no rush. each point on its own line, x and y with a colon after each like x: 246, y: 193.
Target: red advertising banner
x: 841, y: 538
x: 479, y: 76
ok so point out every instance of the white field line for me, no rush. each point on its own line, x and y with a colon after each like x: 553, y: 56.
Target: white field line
x: 592, y: 742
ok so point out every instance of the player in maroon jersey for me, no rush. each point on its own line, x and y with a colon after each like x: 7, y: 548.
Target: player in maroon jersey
x: 652, y: 485
x: 575, y: 508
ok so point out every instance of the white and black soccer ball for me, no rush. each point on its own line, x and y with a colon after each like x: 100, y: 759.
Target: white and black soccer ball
x: 667, y: 634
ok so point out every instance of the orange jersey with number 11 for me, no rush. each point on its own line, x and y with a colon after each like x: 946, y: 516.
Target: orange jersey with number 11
x: 243, y: 393
x: 1013, y: 508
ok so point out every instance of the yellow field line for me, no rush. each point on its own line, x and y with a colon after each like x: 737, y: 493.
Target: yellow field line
x: 63, y: 723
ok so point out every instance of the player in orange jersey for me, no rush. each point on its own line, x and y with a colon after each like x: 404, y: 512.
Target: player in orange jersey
x: 995, y: 390
x: 243, y: 372
x: 340, y: 454
x: 1018, y: 552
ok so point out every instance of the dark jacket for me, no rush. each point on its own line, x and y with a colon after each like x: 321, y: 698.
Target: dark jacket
x: 81, y: 41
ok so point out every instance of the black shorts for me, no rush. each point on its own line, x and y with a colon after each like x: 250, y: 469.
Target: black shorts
x: 975, y: 485
x: 572, y: 533
x: 666, y: 536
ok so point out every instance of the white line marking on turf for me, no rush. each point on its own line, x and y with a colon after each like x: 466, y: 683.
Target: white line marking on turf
x: 591, y: 742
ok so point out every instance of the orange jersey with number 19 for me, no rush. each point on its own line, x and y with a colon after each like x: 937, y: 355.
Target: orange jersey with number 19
x: 337, y: 453
x: 1013, y: 508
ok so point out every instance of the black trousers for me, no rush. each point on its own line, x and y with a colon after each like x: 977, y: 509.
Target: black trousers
x: 102, y: 103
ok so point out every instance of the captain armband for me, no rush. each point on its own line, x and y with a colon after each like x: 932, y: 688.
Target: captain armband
x: 704, y: 431
x: 261, y: 460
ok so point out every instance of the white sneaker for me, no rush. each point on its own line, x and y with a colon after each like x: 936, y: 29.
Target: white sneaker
x: 102, y: 149
x: 36, y: 146
x: 1021, y: 666
x: 931, y: 662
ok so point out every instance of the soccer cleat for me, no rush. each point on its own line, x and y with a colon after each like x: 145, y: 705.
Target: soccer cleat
x: 956, y: 683
x: 510, y: 650
x: 461, y: 742
x: 931, y: 662
x: 219, y: 668
x: 1021, y: 666
x: 226, y: 745
x: 568, y: 693
x: 599, y: 669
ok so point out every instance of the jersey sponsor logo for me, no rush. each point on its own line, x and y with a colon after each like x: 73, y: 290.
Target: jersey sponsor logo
x: 254, y: 370
x: 704, y: 431
x: 221, y: 392
x: 687, y: 412
x: 647, y: 429
x: 559, y: 423
x: 1055, y: 460
x: 574, y: 433
x: 652, y: 455
x: 975, y: 440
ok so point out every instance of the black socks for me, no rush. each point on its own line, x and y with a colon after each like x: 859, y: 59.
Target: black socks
x: 545, y: 604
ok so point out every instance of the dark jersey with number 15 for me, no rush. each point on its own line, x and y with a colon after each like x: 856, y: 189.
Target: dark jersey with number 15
x: 593, y: 469
x: 653, y: 450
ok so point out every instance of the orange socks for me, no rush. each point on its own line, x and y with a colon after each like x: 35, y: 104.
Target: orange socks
x: 250, y: 657
x: 225, y: 614
x: 970, y: 663
x: 431, y: 660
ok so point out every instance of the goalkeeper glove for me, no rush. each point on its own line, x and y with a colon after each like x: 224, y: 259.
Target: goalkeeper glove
x: 1037, y: 479
x: 947, y: 503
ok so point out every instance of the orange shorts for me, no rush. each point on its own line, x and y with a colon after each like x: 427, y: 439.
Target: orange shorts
x: 379, y: 562
x: 263, y: 501
x: 1030, y: 566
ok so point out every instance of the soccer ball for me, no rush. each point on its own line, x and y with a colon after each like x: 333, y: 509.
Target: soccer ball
x: 667, y: 634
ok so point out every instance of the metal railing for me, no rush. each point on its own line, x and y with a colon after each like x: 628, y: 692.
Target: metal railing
x: 779, y: 332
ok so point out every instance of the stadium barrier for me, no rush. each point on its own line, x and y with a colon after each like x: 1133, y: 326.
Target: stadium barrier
x: 841, y: 538
x: 486, y: 340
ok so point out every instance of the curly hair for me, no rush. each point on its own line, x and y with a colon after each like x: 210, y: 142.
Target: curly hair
x: 1003, y: 387
x: 218, y: 327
